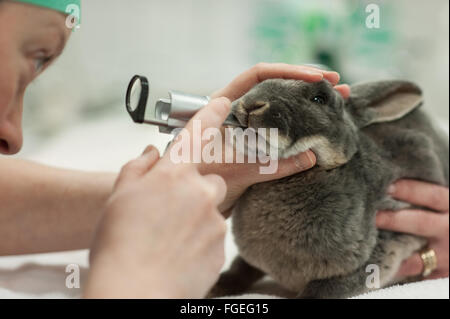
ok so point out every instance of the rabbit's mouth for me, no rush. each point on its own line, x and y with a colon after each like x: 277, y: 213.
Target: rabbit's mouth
x: 268, y: 141
x: 273, y: 144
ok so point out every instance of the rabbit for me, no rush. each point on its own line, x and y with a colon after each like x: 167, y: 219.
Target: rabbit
x: 314, y: 232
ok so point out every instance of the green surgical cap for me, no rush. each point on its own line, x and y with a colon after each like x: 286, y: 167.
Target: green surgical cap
x: 70, y: 7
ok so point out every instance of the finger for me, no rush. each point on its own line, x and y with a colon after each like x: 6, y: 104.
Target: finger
x: 218, y: 185
x: 249, y: 173
x: 307, y: 70
x: 149, y: 149
x: 263, y: 71
x: 286, y: 167
x: 344, y: 90
x: 421, y: 194
x: 210, y: 116
x: 139, y: 166
x: 416, y: 222
x: 332, y: 77
x: 412, y: 266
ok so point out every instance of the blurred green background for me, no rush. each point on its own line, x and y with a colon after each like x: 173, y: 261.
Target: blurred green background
x: 198, y: 46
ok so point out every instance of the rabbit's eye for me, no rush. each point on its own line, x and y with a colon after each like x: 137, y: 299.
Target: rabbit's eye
x: 319, y: 99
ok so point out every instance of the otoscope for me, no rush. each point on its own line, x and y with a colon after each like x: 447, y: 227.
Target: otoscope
x: 170, y: 113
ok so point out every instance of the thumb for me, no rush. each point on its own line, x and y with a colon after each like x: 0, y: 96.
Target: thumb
x: 139, y: 166
x: 289, y: 166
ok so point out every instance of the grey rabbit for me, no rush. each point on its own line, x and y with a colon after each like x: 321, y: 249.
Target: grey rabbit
x: 314, y: 232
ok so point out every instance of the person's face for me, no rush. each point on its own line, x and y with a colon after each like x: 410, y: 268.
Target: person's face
x: 30, y: 39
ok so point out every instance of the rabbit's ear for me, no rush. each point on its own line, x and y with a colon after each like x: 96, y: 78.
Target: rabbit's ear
x: 382, y: 101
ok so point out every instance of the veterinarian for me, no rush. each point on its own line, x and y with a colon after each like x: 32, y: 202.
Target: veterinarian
x: 162, y: 224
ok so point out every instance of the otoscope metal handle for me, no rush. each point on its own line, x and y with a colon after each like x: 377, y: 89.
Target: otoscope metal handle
x: 178, y: 109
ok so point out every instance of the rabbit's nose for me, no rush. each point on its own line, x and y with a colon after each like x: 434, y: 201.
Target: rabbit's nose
x: 248, y: 113
x: 257, y: 107
x: 255, y: 112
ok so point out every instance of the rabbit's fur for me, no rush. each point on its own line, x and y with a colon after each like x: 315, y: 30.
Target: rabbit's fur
x: 314, y: 232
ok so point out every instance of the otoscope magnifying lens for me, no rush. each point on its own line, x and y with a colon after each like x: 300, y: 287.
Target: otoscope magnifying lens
x: 135, y: 94
x: 136, y: 98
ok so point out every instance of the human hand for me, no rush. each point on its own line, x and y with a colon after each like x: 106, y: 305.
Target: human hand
x: 432, y: 225
x: 161, y: 234
x: 263, y: 71
x: 240, y: 176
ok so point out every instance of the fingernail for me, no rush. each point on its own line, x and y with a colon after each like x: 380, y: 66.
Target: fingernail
x: 391, y: 189
x: 311, y: 157
x: 303, y: 164
x: 332, y: 76
x: 150, y: 153
x: 148, y: 149
x: 310, y: 72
